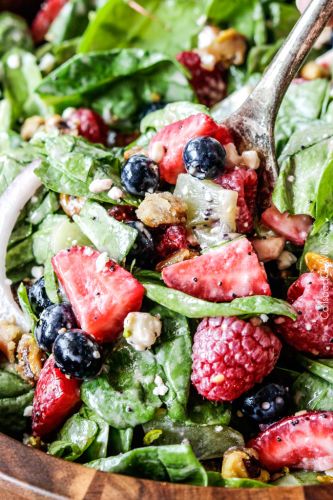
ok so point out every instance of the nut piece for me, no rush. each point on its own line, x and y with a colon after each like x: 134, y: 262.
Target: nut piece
x: 10, y: 335
x: 30, y: 359
x: 161, y: 208
x: 135, y: 150
x: 71, y: 205
x: 313, y: 70
x: 243, y: 463
x: 180, y: 256
x: 31, y: 126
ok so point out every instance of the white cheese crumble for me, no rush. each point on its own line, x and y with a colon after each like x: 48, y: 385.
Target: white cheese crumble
x: 115, y: 193
x: 161, y: 389
x: 37, y: 272
x: 27, y: 411
x: 67, y: 113
x: 286, y: 260
x: 14, y: 61
x: 157, y: 152
x: 100, y: 185
x: 141, y: 330
x: 264, y: 318
x: 47, y: 62
x: 101, y: 261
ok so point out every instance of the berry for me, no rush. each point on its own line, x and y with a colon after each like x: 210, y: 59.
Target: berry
x: 170, y: 240
x: 90, y: 125
x: 45, y: 17
x: 52, y: 320
x: 231, y: 271
x: 230, y: 356
x: 266, y: 404
x: 77, y: 354
x: 210, y: 86
x: 245, y: 182
x: 101, y: 297
x: 312, y: 298
x: 56, y: 398
x: 143, y: 250
x: 299, y: 442
x: 122, y: 213
x: 150, y: 108
x: 204, y: 157
x: 174, y: 138
x: 140, y: 175
x: 294, y: 228
x: 38, y: 297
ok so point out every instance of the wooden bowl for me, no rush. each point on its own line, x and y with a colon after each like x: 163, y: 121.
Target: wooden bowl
x: 30, y: 474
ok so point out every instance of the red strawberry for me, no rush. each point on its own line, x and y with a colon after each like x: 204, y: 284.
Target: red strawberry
x: 175, y: 136
x: 230, y: 356
x: 299, y: 442
x: 294, y: 228
x: 312, y: 297
x: 122, y: 213
x: 90, y: 125
x: 210, y: 86
x: 245, y: 182
x: 100, y: 291
x: 45, y: 17
x: 56, y: 397
x: 220, y: 275
x: 172, y: 239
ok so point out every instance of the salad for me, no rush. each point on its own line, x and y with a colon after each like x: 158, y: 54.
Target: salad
x: 154, y: 322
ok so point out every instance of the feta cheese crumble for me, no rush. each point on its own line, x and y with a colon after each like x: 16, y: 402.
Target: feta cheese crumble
x: 161, y: 389
x: 141, y: 330
x: 101, y: 261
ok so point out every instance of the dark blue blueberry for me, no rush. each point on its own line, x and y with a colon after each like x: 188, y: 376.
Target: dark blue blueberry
x: 143, y: 250
x: 204, y: 157
x: 266, y: 404
x: 77, y: 354
x: 150, y: 108
x: 52, y: 320
x: 38, y: 297
x: 140, y: 175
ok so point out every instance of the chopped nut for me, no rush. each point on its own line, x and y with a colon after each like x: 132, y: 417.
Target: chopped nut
x: 71, y: 205
x: 233, y: 158
x: 31, y: 126
x: 243, y: 463
x: 286, y: 260
x: 161, y: 208
x: 10, y: 335
x: 229, y: 47
x: 313, y: 70
x: 250, y: 159
x: 56, y: 122
x: 157, y: 152
x: 136, y: 150
x: 180, y: 256
x: 30, y: 359
x: 325, y: 479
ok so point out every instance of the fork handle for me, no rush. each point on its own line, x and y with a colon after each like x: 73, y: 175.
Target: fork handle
x: 267, y: 96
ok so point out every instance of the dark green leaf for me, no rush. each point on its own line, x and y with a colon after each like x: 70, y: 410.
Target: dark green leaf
x: 71, y: 21
x: 15, y: 396
x: 22, y: 296
x: 14, y: 32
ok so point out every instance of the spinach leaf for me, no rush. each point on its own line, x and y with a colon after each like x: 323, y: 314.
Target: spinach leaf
x: 105, y: 232
x: 321, y: 367
x: 282, y: 18
x: 71, y: 21
x: 192, y: 307
x: 14, y: 158
x: 74, y: 438
x: 43, y: 208
x: 19, y: 255
x: 120, y: 440
x: 22, y: 295
x: 298, y: 479
x: 169, y: 114
x: 21, y: 231
x: 319, y: 241
x: 174, y: 463
x: 168, y: 27
x: 15, y: 396
x: 14, y: 32
x: 203, y: 412
x: 311, y: 392
x: 235, y: 482
x: 123, y: 396
x: 207, y: 441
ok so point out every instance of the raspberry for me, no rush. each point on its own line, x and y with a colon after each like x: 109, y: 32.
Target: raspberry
x: 312, y: 332
x: 90, y: 125
x: 230, y: 356
x: 122, y: 213
x: 209, y: 86
x: 245, y: 182
x: 172, y: 239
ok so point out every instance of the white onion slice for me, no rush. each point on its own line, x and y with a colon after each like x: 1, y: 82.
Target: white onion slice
x: 12, y: 202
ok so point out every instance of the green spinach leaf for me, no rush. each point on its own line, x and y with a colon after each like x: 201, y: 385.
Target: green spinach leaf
x: 15, y: 396
x: 14, y: 32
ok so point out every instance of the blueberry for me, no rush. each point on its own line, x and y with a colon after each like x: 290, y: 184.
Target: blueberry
x: 204, y: 157
x: 140, y: 175
x: 52, y: 320
x: 150, y: 108
x: 77, y: 354
x: 38, y: 297
x: 266, y: 404
x: 143, y: 250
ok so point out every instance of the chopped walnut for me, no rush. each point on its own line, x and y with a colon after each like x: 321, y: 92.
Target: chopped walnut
x: 31, y: 126
x: 243, y: 463
x: 161, y: 208
x: 56, y: 122
x: 180, y: 256
x: 30, y: 359
x: 313, y: 70
x: 10, y: 335
x: 227, y: 46
x: 135, y: 150
x: 71, y: 205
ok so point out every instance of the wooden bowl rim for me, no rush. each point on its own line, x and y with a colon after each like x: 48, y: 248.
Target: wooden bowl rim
x: 32, y: 474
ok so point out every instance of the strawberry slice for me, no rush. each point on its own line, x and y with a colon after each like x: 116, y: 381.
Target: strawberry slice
x: 56, y: 397
x: 220, y: 275
x: 100, y: 291
x: 175, y: 136
x: 300, y: 441
x: 45, y: 17
x: 294, y: 228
